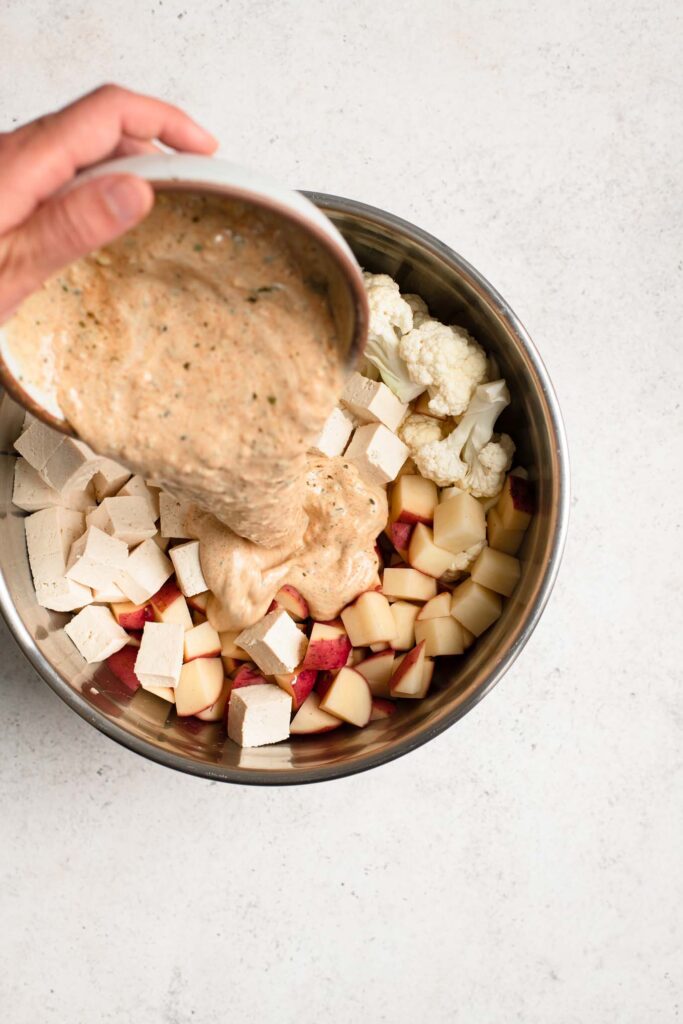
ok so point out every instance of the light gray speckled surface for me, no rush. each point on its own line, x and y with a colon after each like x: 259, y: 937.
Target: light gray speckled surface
x: 526, y: 866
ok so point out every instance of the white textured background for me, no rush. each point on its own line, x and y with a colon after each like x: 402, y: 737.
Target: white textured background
x: 527, y: 865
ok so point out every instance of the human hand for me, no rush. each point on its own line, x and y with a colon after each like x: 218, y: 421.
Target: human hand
x: 40, y: 229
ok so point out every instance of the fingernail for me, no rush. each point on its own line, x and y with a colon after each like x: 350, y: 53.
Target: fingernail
x: 126, y: 200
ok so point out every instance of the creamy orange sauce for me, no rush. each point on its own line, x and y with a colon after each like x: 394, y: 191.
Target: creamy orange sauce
x: 200, y: 350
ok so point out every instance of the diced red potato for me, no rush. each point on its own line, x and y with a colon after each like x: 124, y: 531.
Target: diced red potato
x: 348, y: 698
x: 459, y: 523
x: 436, y: 607
x: 230, y: 665
x: 369, y: 620
x: 377, y: 670
x: 217, y: 710
x: 413, y: 500
x: 356, y: 655
x: 475, y: 607
x: 199, y: 602
x: 382, y: 646
x: 247, y: 675
x: 496, y: 570
x: 467, y: 638
x: 132, y: 616
x: 199, y: 686
x: 425, y: 555
x: 166, y: 693
x: 310, y: 718
x: 324, y: 682
x: 201, y: 642
x: 197, y: 617
x: 408, y: 677
x: 399, y: 535
x: 508, y: 541
x: 169, y: 605
x: 122, y: 664
x: 404, y: 614
x: 516, y: 504
x: 289, y: 598
x: 297, y: 684
x: 441, y: 636
x: 408, y: 584
x: 229, y: 648
x: 381, y: 709
x: 328, y: 647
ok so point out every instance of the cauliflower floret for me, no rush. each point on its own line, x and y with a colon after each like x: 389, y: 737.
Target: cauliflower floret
x: 419, y: 308
x: 388, y: 311
x: 448, y: 360
x: 457, y: 458
x: 417, y: 430
x: 462, y: 562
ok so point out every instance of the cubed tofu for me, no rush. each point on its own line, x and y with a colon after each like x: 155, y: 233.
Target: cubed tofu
x: 496, y: 570
x: 38, y: 443
x: 258, y: 715
x: 369, y: 620
x: 145, y: 572
x: 137, y: 487
x: 373, y: 402
x: 71, y: 466
x: 274, y: 643
x: 172, y: 516
x: 96, y: 633
x: 31, y: 493
x: 49, y: 536
x: 126, y: 518
x: 109, y: 478
x: 459, y: 523
x: 409, y: 584
x: 160, y: 658
x: 188, y: 568
x: 441, y: 636
x: 111, y: 594
x: 96, y: 559
x: 508, y: 541
x: 377, y: 453
x: 334, y: 436
x: 475, y: 607
x: 59, y: 594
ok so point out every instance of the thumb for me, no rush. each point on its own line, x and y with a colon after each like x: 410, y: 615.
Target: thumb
x: 66, y: 227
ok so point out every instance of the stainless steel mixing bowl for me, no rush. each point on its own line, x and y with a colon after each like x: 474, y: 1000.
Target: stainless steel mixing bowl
x: 456, y: 293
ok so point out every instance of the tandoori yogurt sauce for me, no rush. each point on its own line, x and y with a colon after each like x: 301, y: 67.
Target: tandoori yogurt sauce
x: 199, y: 349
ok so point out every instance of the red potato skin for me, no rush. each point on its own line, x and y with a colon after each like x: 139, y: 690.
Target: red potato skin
x: 327, y: 654
x: 164, y: 597
x: 410, y: 659
x: 302, y: 686
x: 401, y: 533
x: 324, y: 682
x: 522, y: 494
x: 381, y: 708
x: 122, y: 664
x: 247, y: 675
x: 137, y: 618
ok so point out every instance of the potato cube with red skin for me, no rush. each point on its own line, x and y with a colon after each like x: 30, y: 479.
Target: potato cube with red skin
x: 436, y: 607
x: 369, y: 620
x: 407, y: 680
x: 408, y: 584
x: 399, y: 535
x: 475, y: 607
x: 467, y: 638
x: 169, y: 605
x: 377, y: 670
x: 459, y: 523
x: 441, y: 636
x: 217, y: 710
x: 381, y: 709
x: 289, y: 598
x: 132, y: 616
x: 247, y: 675
x: 199, y: 686
x: 517, y: 503
x: 199, y: 602
x: 413, y: 500
x: 427, y: 673
x: 201, y: 641
x: 500, y: 539
x: 310, y: 719
x: 496, y: 570
x: 404, y: 613
x: 328, y: 646
x: 426, y: 556
x: 297, y: 684
x: 348, y: 698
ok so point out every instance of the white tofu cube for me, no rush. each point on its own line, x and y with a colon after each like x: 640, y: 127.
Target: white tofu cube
x: 172, y: 513
x: 160, y: 658
x: 71, y: 466
x: 188, y: 568
x: 111, y: 594
x: 49, y: 536
x: 146, y: 571
x: 377, y: 453
x: 96, y: 559
x: 60, y: 594
x: 373, y: 402
x: 31, y: 493
x: 126, y: 518
x: 274, y: 643
x: 334, y: 436
x: 137, y: 488
x: 96, y: 633
x: 38, y: 443
x: 259, y: 714
x: 109, y: 478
